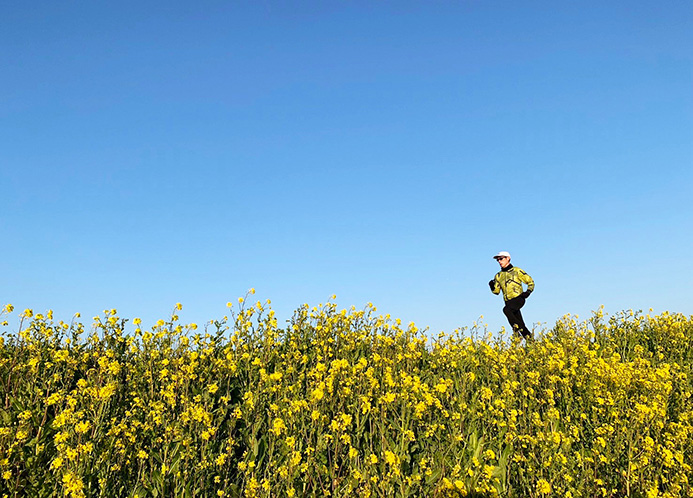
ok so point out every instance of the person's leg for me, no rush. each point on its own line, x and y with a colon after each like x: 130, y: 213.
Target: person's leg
x: 526, y: 333
x: 514, y: 316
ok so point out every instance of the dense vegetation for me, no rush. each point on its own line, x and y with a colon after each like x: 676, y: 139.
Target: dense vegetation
x: 345, y: 403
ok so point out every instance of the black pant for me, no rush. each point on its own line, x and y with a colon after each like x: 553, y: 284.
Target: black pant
x: 512, y: 312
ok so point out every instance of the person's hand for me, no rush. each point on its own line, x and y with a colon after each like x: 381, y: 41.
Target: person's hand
x: 492, y: 284
x: 525, y: 294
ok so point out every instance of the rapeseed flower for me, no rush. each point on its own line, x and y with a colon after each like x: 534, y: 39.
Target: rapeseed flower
x: 349, y: 399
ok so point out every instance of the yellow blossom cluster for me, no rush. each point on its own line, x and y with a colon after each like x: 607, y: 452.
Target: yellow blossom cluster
x: 344, y: 403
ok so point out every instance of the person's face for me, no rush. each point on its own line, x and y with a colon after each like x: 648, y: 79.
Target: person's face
x: 503, y: 261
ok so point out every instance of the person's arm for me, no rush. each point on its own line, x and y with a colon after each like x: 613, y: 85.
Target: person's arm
x: 525, y: 278
x: 494, y: 285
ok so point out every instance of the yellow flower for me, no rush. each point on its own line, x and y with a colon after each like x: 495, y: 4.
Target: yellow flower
x: 107, y: 391
x: 278, y: 426
x: 82, y: 427
x: 543, y: 487
x: 391, y: 458
x: 73, y: 485
x: 318, y: 394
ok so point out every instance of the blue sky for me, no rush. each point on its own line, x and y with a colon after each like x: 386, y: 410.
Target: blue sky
x: 161, y: 152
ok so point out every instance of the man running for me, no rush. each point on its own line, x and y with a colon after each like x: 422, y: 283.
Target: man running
x: 509, y: 280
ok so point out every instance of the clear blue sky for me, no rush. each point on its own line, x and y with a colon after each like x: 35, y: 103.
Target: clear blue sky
x: 161, y: 152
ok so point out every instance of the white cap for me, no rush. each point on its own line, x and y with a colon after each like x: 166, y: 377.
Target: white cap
x: 502, y: 254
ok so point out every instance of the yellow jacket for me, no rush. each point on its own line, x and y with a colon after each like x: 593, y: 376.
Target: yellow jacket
x: 510, y: 280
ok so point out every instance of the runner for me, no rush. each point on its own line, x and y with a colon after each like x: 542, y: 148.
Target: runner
x: 509, y: 280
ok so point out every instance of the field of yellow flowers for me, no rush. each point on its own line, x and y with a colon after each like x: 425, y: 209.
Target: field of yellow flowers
x: 344, y: 403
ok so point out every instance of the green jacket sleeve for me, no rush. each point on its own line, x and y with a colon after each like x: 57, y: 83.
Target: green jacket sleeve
x: 526, y: 279
x: 496, y: 285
